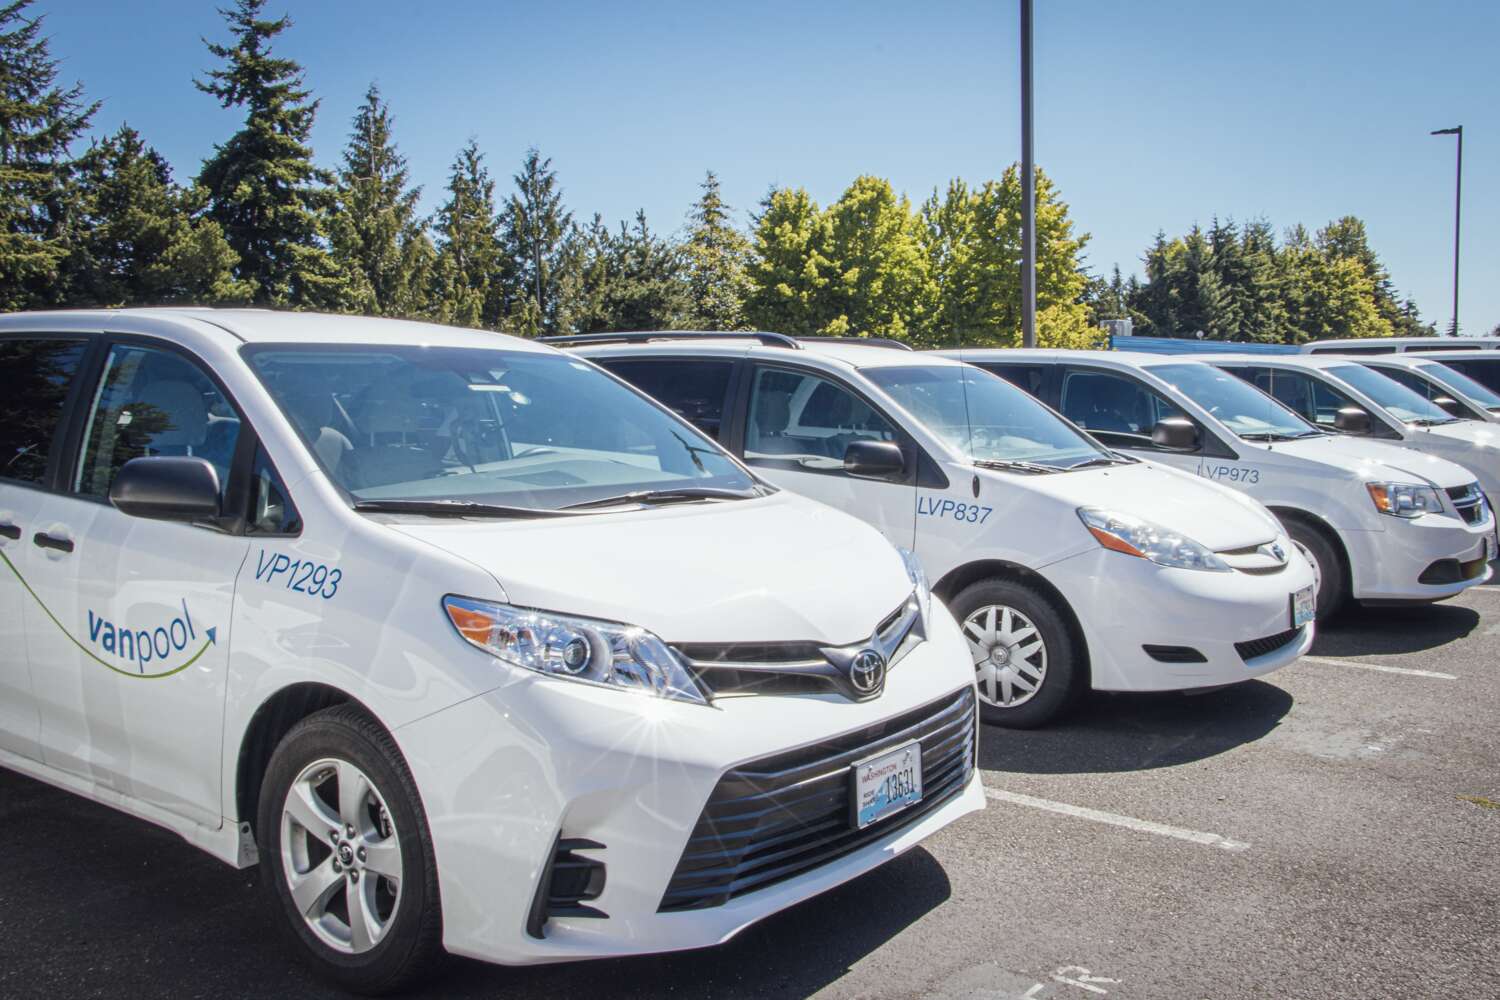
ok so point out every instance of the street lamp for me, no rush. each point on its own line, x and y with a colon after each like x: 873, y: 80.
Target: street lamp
x: 1028, y: 189
x: 1458, y: 198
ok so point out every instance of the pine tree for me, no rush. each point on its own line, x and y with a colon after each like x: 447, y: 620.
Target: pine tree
x: 790, y: 270
x: 717, y: 263
x: 39, y: 122
x: 134, y: 239
x: 375, y: 232
x: 534, y: 226
x: 650, y: 289
x: 261, y: 184
x: 467, y: 270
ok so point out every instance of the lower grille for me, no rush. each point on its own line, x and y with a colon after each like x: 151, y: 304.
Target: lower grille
x: 1452, y: 571
x: 780, y: 816
x: 1252, y: 648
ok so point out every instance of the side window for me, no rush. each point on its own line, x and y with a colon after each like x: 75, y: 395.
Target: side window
x: 1031, y: 378
x: 1480, y: 371
x: 35, y: 375
x: 1412, y: 381
x: 154, y: 402
x: 806, y: 421
x: 271, y: 509
x: 1308, y: 396
x: 694, y: 390
x: 1116, y: 409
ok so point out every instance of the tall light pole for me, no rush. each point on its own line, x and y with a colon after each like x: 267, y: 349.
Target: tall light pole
x: 1458, y: 203
x: 1028, y: 189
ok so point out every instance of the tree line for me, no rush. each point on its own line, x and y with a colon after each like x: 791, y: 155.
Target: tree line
x: 261, y: 223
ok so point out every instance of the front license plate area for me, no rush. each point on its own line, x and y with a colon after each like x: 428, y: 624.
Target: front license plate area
x: 1489, y: 548
x: 1304, y: 606
x: 886, y: 784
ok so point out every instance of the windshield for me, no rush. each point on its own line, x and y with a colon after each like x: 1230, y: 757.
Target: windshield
x: 1246, y: 411
x: 984, y: 417
x: 1454, y: 379
x: 1402, y: 403
x: 521, y: 429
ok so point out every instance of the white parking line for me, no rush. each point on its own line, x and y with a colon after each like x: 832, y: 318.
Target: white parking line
x: 1114, y: 819
x: 1435, y: 675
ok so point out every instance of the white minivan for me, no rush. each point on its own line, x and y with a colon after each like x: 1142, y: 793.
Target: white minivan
x: 472, y: 646
x: 1379, y: 524
x: 1340, y: 394
x: 1441, y: 382
x: 1068, y: 565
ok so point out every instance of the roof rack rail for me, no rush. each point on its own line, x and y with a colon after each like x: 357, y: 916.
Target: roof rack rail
x: 899, y: 345
x: 647, y: 336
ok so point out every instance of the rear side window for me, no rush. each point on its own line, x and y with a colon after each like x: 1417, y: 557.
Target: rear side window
x: 694, y: 390
x: 1486, y: 373
x: 152, y: 402
x: 35, y: 376
x: 1114, y: 408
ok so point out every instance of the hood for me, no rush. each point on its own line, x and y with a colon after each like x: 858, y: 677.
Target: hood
x: 1377, y: 461
x: 781, y: 568
x: 1178, y: 501
x: 1472, y: 444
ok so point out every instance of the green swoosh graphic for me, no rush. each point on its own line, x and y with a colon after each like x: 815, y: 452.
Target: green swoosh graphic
x: 90, y: 653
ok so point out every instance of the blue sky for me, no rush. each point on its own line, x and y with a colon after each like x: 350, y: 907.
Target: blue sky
x: 1149, y: 114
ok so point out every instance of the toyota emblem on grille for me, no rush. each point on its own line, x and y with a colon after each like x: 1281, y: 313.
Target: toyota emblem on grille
x: 867, y: 671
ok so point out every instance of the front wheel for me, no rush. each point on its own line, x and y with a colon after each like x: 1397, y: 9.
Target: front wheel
x: 346, y: 857
x: 1328, y: 572
x: 1026, y: 660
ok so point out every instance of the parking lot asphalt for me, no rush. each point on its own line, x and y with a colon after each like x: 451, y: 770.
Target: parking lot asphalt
x: 1330, y: 831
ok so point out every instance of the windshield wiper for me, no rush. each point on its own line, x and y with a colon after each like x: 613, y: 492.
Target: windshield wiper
x: 449, y: 508
x: 1090, y: 463
x: 1434, y: 422
x: 654, y: 497
x: 1270, y: 436
x: 1030, y: 468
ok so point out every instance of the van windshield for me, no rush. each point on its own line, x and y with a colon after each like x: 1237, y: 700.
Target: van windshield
x: 1455, y: 379
x: 466, y: 426
x: 986, y: 418
x: 1402, y: 403
x: 1245, y: 410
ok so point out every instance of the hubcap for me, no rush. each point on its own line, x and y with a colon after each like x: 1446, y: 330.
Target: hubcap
x: 335, y: 827
x: 1317, y: 570
x: 1010, y: 658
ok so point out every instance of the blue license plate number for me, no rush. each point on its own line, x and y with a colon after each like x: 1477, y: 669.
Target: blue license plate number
x: 887, y: 784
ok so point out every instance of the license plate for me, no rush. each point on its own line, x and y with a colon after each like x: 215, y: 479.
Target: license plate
x: 1304, y: 606
x: 1489, y: 548
x: 887, y: 784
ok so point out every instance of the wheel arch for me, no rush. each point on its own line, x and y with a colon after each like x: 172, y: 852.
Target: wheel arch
x: 272, y: 720
x: 951, y: 585
x: 1323, y: 528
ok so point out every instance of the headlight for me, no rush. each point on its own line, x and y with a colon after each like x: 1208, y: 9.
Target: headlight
x: 918, y: 581
x: 1405, y: 499
x: 1137, y: 537
x: 579, y: 649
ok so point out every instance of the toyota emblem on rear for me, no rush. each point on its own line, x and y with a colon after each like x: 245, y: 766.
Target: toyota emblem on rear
x: 867, y: 672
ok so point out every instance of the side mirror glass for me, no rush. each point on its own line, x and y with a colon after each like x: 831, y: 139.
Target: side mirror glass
x: 874, y: 460
x: 1351, y: 420
x: 167, y: 488
x: 1449, y: 405
x: 1175, y: 434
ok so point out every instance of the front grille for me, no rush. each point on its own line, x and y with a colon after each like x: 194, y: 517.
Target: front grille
x: 778, y: 817
x: 1469, y: 502
x: 1252, y: 648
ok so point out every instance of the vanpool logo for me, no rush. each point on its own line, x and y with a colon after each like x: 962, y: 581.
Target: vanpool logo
x: 144, y: 653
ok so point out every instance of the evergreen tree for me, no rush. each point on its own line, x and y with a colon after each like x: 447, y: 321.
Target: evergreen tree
x: 534, y: 227
x: 650, y: 290
x: 467, y: 270
x: 261, y: 185
x: 881, y: 285
x: 134, y: 238
x: 375, y: 232
x: 586, y: 280
x: 39, y: 120
x: 717, y: 263
x: 790, y: 270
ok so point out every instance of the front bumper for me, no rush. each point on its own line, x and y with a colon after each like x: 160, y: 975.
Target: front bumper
x: 505, y: 775
x: 1125, y: 604
x: 1389, y: 565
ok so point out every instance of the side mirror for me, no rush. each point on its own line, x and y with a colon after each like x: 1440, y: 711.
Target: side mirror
x: 1351, y: 420
x: 1175, y: 434
x: 874, y: 459
x: 1449, y: 405
x: 167, y: 488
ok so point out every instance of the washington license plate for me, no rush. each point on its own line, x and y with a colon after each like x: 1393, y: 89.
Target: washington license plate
x: 887, y: 784
x: 1304, y: 606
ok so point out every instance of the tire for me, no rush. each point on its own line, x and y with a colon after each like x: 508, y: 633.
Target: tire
x: 326, y: 755
x: 1003, y: 622
x: 1328, y: 569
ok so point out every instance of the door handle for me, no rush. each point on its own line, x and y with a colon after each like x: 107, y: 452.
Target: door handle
x: 47, y: 541
x: 10, y: 531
